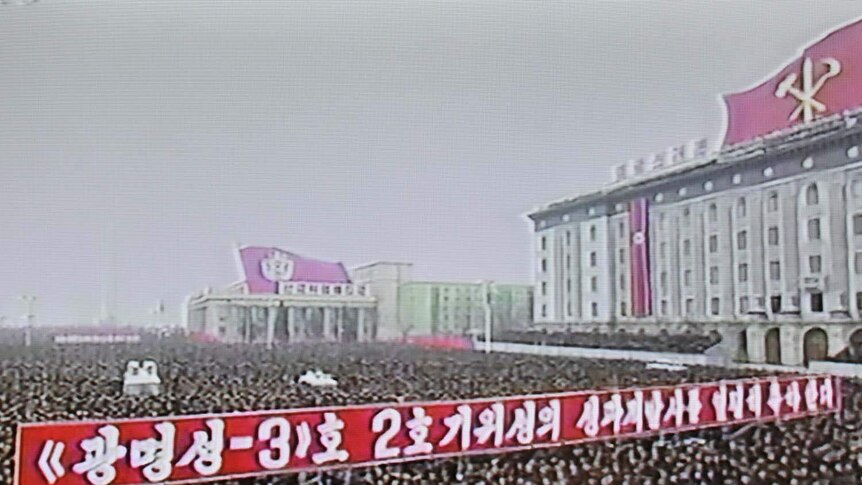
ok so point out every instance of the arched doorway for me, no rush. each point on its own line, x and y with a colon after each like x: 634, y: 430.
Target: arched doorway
x: 855, y: 346
x: 815, y: 345
x: 773, y: 346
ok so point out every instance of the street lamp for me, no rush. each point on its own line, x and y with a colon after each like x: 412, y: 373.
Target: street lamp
x: 486, y: 305
x: 28, y: 334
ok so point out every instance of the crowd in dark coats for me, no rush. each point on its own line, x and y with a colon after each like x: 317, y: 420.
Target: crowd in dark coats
x: 663, y: 342
x: 74, y: 382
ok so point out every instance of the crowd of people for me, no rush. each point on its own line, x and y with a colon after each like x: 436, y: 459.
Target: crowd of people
x: 664, y: 342
x: 75, y: 382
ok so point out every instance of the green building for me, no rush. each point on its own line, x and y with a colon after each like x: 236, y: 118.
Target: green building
x: 436, y: 308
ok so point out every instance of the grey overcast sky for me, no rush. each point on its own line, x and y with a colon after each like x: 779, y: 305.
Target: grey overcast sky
x: 155, y: 134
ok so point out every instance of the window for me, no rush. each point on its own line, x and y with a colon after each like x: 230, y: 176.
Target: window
x: 857, y: 263
x: 740, y: 207
x: 772, y: 235
x: 622, y: 232
x: 568, y: 284
x: 592, y: 233
x: 707, y: 186
x: 568, y: 261
x: 544, y: 288
x: 808, y: 163
x: 857, y: 224
x: 689, y: 306
x: 713, y: 213
x: 569, y: 308
x: 743, y: 304
x: 814, y: 263
x: 768, y: 172
x: 743, y: 273
x: 661, y: 219
x: 569, y: 238
x: 687, y: 277
x: 856, y: 188
x: 544, y: 310
x: 594, y: 284
x: 812, y: 197
x: 686, y: 247
x: 859, y: 300
x: 713, y: 306
x: 593, y: 259
x: 686, y: 216
x: 663, y: 279
x: 775, y: 303
x: 622, y: 256
x: 817, y: 302
x: 664, y: 307
x: 774, y: 270
x: 742, y: 240
x: 595, y: 307
x: 623, y: 308
x: 772, y: 202
x: 544, y: 265
x: 663, y: 250
x: 713, y: 243
x: 736, y: 179
x: 544, y: 243
x: 713, y: 275
x: 814, y: 229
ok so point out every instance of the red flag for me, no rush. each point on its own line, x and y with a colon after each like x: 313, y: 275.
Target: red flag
x: 823, y: 80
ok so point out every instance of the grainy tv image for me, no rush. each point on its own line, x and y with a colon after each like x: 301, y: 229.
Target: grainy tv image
x: 430, y: 242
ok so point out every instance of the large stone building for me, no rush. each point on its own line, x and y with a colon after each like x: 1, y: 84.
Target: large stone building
x: 284, y: 297
x: 760, y: 237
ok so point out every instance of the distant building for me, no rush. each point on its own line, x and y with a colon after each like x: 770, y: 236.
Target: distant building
x: 407, y: 307
x: 762, y: 235
x: 284, y: 297
x: 433, y: 308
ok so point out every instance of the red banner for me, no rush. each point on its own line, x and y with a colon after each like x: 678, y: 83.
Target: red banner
x: 209, y: 447
x: 639, y: 260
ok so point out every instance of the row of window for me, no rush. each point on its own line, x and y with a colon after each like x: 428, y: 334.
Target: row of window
x: 736, y: 179
x: 815, y: 300
x: 813, y: 232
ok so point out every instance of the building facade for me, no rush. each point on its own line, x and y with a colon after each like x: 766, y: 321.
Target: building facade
x: 762, y: 236
x: 435, y: 308
x: 283, y: 297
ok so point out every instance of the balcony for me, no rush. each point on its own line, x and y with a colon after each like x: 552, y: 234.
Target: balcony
x: 813, y: 283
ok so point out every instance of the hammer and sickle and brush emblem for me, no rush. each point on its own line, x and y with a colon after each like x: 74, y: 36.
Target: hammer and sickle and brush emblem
x: 810, y: 87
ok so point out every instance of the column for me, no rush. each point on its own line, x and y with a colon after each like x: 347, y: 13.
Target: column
x: 327, y: 323
x: 291, y: 324
x: 271, y: 315
x: 339, y: 323
x: 303, y: 323
x: 360, y: 324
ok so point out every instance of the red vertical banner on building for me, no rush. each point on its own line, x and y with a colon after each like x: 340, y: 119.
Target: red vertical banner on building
x: 639, y: 243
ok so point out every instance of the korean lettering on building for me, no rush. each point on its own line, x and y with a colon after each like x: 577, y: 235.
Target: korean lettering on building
x: 206, y: 447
